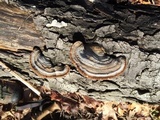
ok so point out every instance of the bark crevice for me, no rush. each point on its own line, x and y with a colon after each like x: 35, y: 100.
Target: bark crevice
x: 122, y: 29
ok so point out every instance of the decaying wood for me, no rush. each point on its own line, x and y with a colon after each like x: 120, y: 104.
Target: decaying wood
x: 122, y: 29
x: 17, y: 31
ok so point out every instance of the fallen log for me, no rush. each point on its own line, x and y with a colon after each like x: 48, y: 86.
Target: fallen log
x: 122, y: 29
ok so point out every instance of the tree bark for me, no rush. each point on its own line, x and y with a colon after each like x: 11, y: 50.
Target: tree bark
x: 122, y: 29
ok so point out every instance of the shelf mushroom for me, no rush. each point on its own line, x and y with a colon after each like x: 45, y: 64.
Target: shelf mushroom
x: 43, y: 66
x: 91, y: 60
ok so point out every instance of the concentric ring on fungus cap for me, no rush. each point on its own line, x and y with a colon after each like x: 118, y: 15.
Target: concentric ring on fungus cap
x: 44, y: 68
x: 92, y: 61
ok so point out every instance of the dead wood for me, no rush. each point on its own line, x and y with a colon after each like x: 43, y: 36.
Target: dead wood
x: 17, y: 31
x: 122, y: 29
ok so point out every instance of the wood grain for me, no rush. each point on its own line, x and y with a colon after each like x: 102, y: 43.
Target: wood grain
x: 17, y: 29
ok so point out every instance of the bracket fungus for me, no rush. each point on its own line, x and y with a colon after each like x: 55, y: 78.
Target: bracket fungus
x: 92, y: 61
x: 43, y: 66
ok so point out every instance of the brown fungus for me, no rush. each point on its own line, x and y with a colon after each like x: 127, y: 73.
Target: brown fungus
x: 92, y: 61
x: 43, y: 66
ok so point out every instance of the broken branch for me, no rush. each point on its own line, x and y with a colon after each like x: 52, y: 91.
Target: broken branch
x: 20, y: 78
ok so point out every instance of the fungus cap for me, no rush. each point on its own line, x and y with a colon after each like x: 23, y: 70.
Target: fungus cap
x: 43, y: 66
x: 92, y: 61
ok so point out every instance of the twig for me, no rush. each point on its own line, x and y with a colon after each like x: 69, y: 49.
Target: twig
x: 20, y: 79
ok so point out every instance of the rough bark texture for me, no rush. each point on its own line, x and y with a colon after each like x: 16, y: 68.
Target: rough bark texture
x: 123, y: 29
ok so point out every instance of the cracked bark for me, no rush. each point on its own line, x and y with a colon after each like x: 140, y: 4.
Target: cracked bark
x: 129, y: 30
